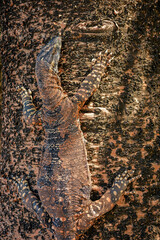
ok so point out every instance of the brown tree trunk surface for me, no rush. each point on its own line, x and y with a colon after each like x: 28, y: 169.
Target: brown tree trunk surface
x: 122, y: 132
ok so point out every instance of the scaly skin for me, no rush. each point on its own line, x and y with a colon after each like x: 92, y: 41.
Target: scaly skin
x: 64, y: 183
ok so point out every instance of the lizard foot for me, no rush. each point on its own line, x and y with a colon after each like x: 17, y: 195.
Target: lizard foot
x: 23, y: 91
x: 121, y: 182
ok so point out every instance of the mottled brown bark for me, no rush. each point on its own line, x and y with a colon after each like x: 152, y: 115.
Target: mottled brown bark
x: 124, y: 131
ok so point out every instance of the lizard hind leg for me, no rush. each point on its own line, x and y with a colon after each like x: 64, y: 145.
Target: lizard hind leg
x: 99, y: 207
x: 32, y: 203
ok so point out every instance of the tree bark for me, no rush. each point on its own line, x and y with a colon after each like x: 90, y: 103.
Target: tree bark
x: 122, y: 130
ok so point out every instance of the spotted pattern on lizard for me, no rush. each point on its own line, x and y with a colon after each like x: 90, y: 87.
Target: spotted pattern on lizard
x: 64, y: 182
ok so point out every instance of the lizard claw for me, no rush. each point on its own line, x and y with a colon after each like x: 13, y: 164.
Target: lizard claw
x: 110, y: 59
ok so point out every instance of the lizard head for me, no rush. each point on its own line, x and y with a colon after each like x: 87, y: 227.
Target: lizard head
x: 50, y: 53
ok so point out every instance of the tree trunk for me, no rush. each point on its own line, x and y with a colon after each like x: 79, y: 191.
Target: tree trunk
x: 122, y: 129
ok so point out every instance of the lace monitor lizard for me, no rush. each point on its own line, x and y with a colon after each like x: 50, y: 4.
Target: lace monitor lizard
x: 64, y: 183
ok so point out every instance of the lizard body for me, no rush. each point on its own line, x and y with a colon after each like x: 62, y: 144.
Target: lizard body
x: 64, y: 182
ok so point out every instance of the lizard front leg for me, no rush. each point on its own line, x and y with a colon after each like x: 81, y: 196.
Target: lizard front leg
x: 107, y: 201
x: 31, y: 115
x: 92, y: 81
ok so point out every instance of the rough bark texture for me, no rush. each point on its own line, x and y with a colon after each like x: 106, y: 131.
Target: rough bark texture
x: 125, y: 132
